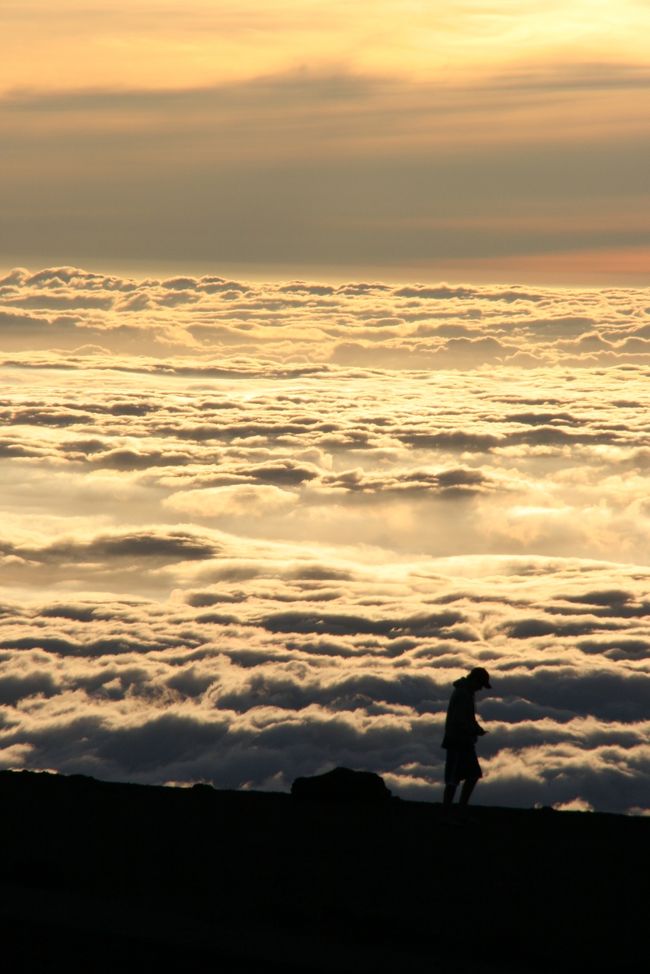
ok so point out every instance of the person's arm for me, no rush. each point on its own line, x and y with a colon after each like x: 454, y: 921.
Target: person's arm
x: 478, y: 730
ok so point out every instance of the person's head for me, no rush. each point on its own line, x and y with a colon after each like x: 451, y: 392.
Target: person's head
x: 479, y: 679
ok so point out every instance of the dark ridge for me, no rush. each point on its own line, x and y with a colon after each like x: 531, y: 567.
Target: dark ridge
x: 116, y: 877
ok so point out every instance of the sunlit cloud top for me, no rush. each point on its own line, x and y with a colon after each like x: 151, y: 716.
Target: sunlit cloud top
x: 254, y: 531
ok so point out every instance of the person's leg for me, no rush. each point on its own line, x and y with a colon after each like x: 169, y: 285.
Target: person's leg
x: 466, y: 790
x: 450, y: 791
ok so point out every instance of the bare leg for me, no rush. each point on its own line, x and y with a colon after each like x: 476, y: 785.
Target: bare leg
x: 467, y: 789
x: 450, y: 791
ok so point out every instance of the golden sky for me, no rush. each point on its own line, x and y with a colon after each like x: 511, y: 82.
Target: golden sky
x: 162, y: 43
x: 446, y: 139
x: 321, y: 384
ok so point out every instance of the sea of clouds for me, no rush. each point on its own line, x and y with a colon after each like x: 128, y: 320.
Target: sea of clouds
x: 253, y: 531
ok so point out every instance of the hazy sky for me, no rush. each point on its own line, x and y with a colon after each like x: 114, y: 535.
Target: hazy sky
x: 462, y: 140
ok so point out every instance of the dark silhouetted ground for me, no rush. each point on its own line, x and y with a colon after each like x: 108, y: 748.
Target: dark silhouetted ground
x: 114, y: 877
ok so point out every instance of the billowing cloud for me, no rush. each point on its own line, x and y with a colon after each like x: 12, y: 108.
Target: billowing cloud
x: 246, y: 500
x: 232, y: 553
x: 224, y: 327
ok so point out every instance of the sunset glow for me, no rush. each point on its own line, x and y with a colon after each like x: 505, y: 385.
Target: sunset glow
x: 357, y: 134
x: 324, y: 342
x: 155, y: 43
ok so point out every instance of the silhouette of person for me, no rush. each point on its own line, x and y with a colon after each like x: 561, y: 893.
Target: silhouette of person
x: 461, y: 732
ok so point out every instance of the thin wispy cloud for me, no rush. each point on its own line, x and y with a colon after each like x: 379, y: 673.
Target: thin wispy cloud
x: 336, y: 167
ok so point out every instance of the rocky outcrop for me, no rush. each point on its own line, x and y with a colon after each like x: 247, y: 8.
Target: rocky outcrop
x: 342, y: 784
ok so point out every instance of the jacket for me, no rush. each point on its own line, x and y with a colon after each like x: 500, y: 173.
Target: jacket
x: 461, y: 726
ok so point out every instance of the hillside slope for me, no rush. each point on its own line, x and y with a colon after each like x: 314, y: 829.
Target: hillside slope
x: 116, y: 876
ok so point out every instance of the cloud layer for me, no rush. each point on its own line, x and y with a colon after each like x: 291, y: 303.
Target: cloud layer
x: 251, y: 531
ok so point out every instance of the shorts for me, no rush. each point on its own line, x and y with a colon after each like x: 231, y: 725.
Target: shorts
x: 461, y: 764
